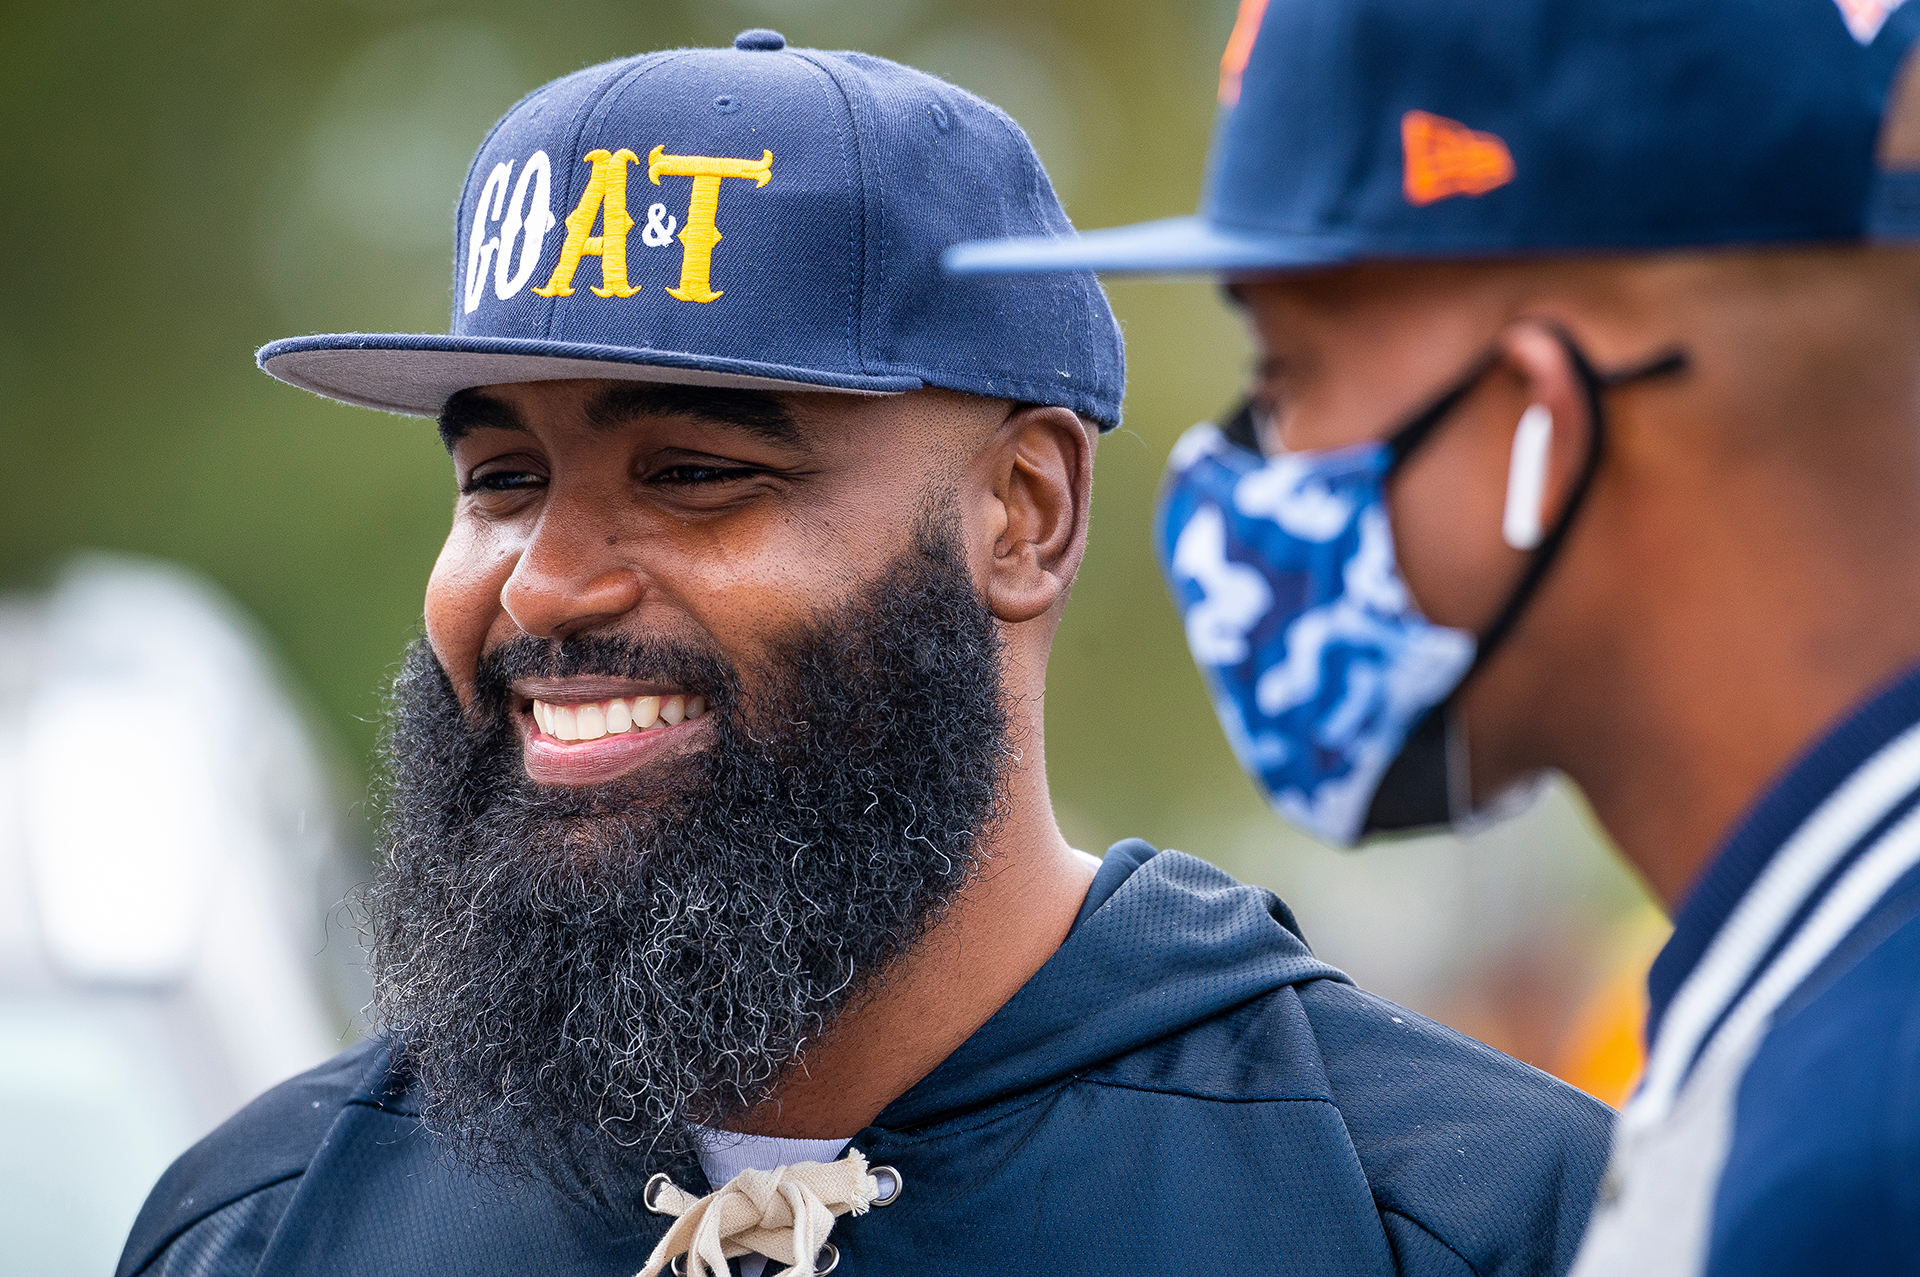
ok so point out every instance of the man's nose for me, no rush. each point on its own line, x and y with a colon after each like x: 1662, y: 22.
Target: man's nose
x: 570, y: 577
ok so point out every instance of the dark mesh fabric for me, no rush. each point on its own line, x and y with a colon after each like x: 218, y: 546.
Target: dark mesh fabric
x: 229, y: 1242
x: 1496, y: 1158
x: 1183, y: 1088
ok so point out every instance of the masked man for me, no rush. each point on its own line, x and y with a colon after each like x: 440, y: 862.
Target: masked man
x: 1591, y: 339
x: 723, y: 917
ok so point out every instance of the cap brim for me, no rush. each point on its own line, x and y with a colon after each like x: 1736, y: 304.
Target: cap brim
x: 1176, y: 246
x: 414, y: 374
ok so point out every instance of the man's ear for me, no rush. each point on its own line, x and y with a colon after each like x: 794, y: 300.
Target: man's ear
x: 1549, y: 382
x: 1040, y: 473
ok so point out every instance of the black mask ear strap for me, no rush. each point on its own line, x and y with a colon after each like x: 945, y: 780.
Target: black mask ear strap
x: 1427, y: 785
x: 1402, y: 442
x: 1592, y: 383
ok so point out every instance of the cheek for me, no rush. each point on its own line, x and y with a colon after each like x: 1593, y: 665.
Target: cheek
x: 761, y: 578
x: 463, y: 598
x: 1331, y: 413
x: 739, y: 584
x: 1446, y: 508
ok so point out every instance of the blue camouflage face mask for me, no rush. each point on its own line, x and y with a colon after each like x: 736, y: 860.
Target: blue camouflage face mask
x: 1335, y: 692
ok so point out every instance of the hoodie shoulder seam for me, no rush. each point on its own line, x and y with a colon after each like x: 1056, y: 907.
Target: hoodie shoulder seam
x: 1212, y: 1097
x: 981, y: 1115
x: 1423, y: 1227
x: 203, y: 1216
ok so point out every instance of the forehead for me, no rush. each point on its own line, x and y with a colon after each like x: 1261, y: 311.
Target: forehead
x: 1376, y: 316
x: 1375, y: 287
x: 611, y: 406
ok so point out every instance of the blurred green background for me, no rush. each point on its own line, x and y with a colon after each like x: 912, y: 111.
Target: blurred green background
x: 185, y: 181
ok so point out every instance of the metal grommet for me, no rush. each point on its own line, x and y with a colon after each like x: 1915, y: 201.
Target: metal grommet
x: 651, y: 1192
x: 832, y: 1252
x: 678, y: 1265
x: 889, y: 1193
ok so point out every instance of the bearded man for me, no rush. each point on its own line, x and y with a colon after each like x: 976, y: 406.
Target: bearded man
x: 722, y: 906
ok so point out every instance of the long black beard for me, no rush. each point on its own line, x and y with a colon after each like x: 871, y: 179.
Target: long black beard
x: 573, y: 976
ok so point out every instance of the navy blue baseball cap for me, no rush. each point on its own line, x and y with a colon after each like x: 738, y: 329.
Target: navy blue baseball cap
x: 1363, y: 130
x: 757, y: 217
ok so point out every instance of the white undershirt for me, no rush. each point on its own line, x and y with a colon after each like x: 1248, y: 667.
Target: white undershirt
x: 724, y: 1154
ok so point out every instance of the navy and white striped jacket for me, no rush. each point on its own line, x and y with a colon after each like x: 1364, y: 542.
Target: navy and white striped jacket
x: 1777, y: 1129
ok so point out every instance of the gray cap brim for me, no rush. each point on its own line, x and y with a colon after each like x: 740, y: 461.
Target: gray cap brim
x: 414, y: 374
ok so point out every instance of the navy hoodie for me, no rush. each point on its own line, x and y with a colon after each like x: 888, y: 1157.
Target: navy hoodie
x: 1182, y: 1088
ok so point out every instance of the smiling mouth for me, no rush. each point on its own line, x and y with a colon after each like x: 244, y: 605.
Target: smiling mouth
x: 572, y: 723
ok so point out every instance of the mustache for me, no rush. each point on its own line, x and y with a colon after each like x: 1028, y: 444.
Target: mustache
x: 695, y: 669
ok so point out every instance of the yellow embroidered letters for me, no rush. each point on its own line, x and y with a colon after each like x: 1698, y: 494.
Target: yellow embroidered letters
x: 605, y: 198
x: 605, y: 201
x: 700, y: 234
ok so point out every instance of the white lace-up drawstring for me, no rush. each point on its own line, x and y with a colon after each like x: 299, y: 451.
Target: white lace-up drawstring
x: 784, y: 1214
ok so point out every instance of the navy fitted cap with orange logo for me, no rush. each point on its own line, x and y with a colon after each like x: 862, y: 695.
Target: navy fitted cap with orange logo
x: 757, y: 217
x: 1361, y: 130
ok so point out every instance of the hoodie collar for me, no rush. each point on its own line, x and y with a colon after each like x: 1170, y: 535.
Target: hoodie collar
x: 1163, y: 943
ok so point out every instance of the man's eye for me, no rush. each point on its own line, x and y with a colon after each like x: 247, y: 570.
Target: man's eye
x: 694, y: 474
x: 502, y: 481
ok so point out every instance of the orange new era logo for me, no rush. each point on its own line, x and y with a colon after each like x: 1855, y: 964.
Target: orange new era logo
x: 1444, y: 157
x: 1233, y: 63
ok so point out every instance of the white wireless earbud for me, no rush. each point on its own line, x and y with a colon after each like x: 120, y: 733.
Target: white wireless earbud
x: 1527, y: 478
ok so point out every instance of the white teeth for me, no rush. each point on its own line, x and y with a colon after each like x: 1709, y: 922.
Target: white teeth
x: 616, y: 716
x: 619, y: 717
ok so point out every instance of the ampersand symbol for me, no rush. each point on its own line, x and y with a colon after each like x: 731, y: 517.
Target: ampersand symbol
x: 658, y: 231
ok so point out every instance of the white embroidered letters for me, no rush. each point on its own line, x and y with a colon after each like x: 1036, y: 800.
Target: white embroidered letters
x: 658, y: 232
x: 480, y: 251
x: 528, y: 219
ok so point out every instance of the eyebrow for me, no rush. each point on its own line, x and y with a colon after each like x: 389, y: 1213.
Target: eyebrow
x: 468, y: 410
x: 754, y: 411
